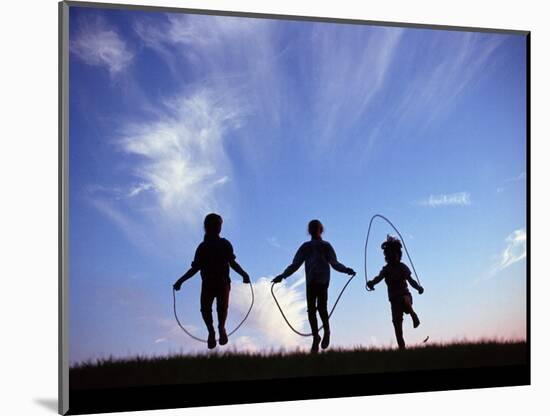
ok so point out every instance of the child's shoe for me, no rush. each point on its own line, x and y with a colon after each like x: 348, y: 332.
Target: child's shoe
x: 326, y: 340
x: 315, y: 343
x: 415, y: 319
x: 211, y: 340
x: 223, y: 336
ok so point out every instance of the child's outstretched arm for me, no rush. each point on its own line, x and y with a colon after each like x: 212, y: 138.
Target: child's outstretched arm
x: 291, y: 269
x: 195, y: 267
x: 299, y: 258
x: 375, y: 281
x: 188, y: 274
x: 336, y: 265
x: 237, y: 267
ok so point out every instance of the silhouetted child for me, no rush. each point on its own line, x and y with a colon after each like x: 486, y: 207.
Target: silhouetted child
x: 213, y: 258
x: 396, y: 275
x: 318, y: 256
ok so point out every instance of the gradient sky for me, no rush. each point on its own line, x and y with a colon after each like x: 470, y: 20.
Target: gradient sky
x: 272, y: 123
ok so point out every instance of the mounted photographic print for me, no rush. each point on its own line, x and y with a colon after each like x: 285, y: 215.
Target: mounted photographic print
x: 261, y: 208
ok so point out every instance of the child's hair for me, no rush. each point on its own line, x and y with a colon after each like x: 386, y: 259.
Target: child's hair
x: 392, y: 248
x: 314, y: 227
x: 213, y: 224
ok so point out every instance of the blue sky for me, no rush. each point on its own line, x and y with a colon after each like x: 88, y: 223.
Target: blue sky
x: 272, y: 123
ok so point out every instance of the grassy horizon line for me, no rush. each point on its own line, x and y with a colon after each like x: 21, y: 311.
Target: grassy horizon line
x: 233, y: 366
x: 282, y: 352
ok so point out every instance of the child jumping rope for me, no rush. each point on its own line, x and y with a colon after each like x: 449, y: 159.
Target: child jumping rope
x: 396, y: 275
x: 318, y: 256
x: 213, y: 258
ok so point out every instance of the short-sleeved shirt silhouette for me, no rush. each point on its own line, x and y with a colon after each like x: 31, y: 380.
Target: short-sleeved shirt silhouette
x: 317, y: 255
x: 212, y: 259
x: 396, y: 276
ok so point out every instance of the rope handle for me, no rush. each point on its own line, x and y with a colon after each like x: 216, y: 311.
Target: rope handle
x: 230, y: 333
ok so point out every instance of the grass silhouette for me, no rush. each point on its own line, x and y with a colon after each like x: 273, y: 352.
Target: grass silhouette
x: 231, y: 366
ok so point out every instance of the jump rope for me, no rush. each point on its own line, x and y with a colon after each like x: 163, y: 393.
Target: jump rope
x: 229, y: 333
x: 303, y: 334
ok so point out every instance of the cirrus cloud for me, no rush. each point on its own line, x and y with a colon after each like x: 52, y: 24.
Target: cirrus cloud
x: 515, y: 250
x: 97, y: 44
x: 441, y: 200
x: 181, y: 160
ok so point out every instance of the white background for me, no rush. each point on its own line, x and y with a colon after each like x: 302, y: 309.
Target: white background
x: 28, y: 181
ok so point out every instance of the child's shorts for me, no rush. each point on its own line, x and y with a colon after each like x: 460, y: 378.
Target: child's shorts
x: 399, y: 306
x: 218, y: 292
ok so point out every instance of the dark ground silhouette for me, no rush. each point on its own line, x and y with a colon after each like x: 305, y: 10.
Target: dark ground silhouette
x: 180, y: 369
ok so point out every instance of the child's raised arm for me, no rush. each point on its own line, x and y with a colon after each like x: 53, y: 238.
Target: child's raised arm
x: 375, y: 281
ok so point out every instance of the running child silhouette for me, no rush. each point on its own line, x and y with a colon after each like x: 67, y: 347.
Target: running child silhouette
x: 213, y: 258
x: 396, y: 275
x: 318, y: 256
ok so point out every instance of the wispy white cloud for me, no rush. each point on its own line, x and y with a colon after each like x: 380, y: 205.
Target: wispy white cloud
x: 181, y: 159
x: 97, y: 44
x: 204, y: 31
x: 442, y: 200
x: 436, y: 86
x: 350, y: 67
x: 176, y: 159
x: 229, y: 51
x: 521, y: 177
x: 168, y: 330
x: 515, y: 250
x: 139, y: 188
x: 273, y: 242
x: 245, y: 343
x: 134, y: 232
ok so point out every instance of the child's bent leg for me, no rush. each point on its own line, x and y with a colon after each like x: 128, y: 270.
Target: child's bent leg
x: 407, y: 304
x: 397, y: 319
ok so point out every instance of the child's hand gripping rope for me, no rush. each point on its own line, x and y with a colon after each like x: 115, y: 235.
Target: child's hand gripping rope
x: 370, y: 287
